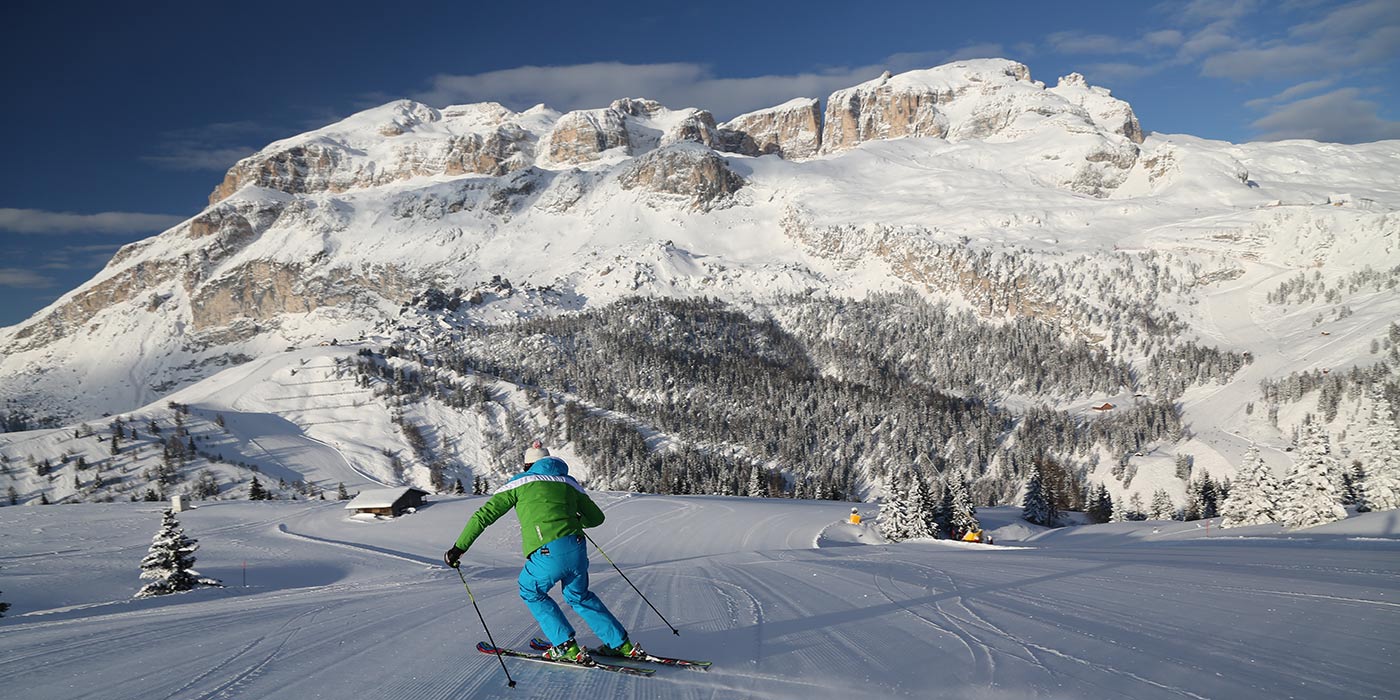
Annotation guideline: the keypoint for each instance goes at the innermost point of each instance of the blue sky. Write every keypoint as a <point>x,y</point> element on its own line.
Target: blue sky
<point>121,120</point>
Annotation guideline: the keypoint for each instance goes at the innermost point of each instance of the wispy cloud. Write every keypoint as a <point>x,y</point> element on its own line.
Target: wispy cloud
<point>209,147</point>
<point>1342,116</point>
<point>36,221</point>
<point>677,85</point>
<point>1291,93</point>
<point>23,279</point>
<point>1355,36</point>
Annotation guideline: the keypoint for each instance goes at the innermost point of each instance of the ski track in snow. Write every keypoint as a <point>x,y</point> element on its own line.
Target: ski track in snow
<point>343,608</point>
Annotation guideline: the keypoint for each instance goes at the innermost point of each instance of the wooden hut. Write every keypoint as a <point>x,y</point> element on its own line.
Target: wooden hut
<point>391,502</point>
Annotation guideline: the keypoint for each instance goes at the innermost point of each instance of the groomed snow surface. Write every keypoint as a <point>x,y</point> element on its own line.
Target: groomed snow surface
<point>785,599</point>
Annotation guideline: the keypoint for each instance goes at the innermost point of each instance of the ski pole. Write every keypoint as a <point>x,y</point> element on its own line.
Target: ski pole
<point>634,587</point>
<point>463,576</point>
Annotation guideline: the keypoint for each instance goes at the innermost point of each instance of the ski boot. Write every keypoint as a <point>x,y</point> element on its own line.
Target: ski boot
<point>568,651</point>
<point>628,650</point>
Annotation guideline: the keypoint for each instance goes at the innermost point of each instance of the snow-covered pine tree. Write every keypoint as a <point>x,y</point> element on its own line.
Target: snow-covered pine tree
<point>1135,510</point>
<point>3,608</point>
<point>1120,511</point>
<point>893,514</point>
<point>168,563</point>
<point>256,492</point>
<point>1162,506</point>
<point>1380,456</point>
<point>1100,505</point>
<point>1309,494</point>
<point>962,517</point>
<point>919,508</point>
<point>1254,495</point>
<point>758,483</point>
<point>340,493</point>
<point>1037,506</point>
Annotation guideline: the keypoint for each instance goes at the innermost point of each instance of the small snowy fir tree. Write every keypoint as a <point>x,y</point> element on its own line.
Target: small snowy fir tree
<point>1380,456</point>
<point>4,607</point>
<point>168,563</point>
<point>1037,507</point>
<point>1162,506</point>
<point>1310,492</point>
<point>1120,511</point>
<point>962,516</point>
<point>1254,495</point>
<point>919,508</point>
<point>893,510</point>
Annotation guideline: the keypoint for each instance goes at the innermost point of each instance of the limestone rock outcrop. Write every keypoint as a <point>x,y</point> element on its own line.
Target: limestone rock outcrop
<point>792,130</point>
<point>686,169</point>
<point>1107,111</point>
<point>582,136</point>
<point>387,144</point>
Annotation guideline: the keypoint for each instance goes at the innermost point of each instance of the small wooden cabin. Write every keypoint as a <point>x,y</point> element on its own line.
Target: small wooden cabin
<point>1105,406</point>
<point>391,502</point>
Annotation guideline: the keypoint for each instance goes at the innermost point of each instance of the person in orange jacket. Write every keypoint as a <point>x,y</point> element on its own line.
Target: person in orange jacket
<point>855,516</point>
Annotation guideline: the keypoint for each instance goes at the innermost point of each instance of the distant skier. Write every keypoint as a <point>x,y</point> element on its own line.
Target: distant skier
<point>855,516</point>
<point>553,510</point>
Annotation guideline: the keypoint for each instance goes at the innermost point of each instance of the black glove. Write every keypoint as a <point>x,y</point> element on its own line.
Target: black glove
<point>453,557</point>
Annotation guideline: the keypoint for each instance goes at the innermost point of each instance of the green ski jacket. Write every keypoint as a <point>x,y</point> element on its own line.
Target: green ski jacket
<point>549,503</point>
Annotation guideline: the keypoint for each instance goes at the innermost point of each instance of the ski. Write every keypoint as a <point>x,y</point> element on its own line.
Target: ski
<point>540,645</point>
<point>486,648</point>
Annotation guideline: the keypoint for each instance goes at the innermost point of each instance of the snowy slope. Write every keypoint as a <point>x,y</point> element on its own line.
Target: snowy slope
<point>335,607</point>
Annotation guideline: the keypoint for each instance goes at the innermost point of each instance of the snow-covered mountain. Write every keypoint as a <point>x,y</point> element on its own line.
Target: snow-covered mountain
<point>972,183</point>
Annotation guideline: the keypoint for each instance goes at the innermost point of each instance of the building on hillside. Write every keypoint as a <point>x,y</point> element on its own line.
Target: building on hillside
<point>1104,407</point>
<point>391,502</point>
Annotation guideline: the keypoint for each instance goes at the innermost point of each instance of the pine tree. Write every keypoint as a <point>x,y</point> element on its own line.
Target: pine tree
<point>1037,506</point>
<point>168,563</point>
<point>1100,509</point>
<point>340,493</point>
<point>1310,493</point>
<point>1120,511</point>
<point>962,516</point>
<point>1254,496</point>
<point>919,508</point>
<point>1380,456</point>
<point>256,492</point>
<point>457,489</point>
<point>893,510</point>
<point>1162,506</point>
<point>3,607</point>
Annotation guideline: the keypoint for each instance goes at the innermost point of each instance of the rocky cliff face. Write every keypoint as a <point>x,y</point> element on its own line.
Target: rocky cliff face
<point>324,233</point>
<point>688,170</point>
<point>388,144</point>
<point>992,99</point>
<point>792,130</point>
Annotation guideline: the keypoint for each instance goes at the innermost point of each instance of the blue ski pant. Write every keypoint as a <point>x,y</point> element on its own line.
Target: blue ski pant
<point>565,561</point>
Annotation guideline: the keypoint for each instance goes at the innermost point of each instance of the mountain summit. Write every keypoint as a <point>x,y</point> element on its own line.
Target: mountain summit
<point>928,179</point>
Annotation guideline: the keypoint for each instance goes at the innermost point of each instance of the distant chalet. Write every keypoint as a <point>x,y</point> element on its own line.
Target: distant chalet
<point>390,502</point>
<point>1105,407</point>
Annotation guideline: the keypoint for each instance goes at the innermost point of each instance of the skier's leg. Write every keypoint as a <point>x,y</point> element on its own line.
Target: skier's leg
<point>574,562</point>
<point>539,575</point>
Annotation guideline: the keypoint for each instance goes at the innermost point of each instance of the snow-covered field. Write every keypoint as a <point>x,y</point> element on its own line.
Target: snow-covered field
<point>785,599</point>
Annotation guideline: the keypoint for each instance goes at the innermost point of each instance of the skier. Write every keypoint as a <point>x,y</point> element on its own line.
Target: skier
<point>553,510</point>
<point>855,516</point>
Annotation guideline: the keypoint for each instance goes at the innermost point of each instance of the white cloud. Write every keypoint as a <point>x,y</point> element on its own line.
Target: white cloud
<point>1352,37</point>
<point>676,85</point>
<point>35,221</point>
<point>1343,116</point>
<point>1291,93</point>
<point>23,279</point>
<point>195,158</point>
<point>209,147</point>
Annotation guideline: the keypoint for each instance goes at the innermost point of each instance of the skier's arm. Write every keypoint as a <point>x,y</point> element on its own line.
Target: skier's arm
<point>589,514</point>
<point>488,513</point>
